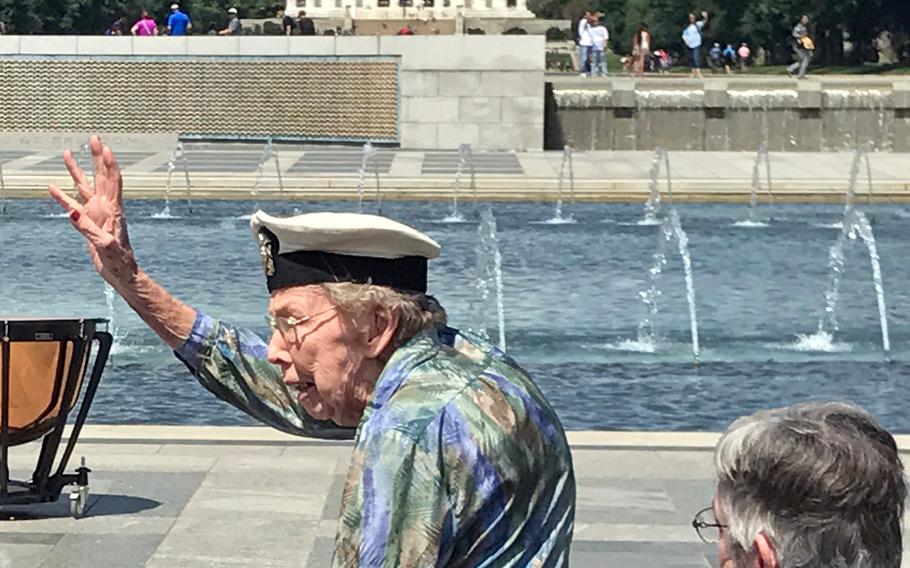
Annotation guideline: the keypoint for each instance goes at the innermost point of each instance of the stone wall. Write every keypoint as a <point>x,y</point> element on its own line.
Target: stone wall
<point>486,91</point>
<point>318,99</point>
<point>717,114</point>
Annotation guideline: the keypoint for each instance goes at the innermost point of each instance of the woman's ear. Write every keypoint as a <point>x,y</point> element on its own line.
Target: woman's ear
<point>382,331</point>
<point>765,557</point>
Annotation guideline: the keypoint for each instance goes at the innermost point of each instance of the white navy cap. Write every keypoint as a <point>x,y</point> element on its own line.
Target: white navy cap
<point>232,10</point>
<point>342,247</point>
<point>175,6</point>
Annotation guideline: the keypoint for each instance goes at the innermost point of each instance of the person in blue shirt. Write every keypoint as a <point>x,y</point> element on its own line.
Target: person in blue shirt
<point>178,23</point>
<point>729,58</point>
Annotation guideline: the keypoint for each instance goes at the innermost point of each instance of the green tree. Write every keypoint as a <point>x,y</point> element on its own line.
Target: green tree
<point>95,16</point>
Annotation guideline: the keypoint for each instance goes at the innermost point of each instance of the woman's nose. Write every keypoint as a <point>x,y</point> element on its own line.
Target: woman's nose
<point>278,351</point>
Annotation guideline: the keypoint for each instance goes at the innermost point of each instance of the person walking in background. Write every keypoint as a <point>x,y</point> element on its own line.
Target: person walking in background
<point>691,36</point>
<point>145,26</point>
<point>178,22</point>
<point>729,59</point>
<point>233,26</point>
<point>305,25</point>
<point>599,38</point>
<point>641,49</point>
<point>804,47</point>
<point>744,54</point>
<point>116,29</point>
<point>715,58</point>
<point>287,22</point>
<point>585,43</point>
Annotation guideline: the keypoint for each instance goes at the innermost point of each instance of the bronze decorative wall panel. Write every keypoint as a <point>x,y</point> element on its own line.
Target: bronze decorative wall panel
<point>220,97</point>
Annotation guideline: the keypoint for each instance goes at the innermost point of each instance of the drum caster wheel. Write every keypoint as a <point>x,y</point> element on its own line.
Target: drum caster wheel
<point>79,497</point>
<point>78,501</point>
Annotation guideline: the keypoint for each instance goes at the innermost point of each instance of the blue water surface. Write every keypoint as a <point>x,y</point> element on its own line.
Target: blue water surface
<point>572,305</point>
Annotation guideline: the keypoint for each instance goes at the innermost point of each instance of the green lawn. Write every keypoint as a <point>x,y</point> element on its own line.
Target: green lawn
<point>835,70</point>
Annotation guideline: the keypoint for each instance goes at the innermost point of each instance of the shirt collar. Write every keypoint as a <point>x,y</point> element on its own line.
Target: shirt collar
<point>415,351</point>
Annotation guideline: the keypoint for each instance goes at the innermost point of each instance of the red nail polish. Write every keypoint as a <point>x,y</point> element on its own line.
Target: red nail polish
<point>75,216</point>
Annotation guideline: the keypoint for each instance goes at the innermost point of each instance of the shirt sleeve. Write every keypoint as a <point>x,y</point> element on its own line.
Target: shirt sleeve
<point>231,364</point>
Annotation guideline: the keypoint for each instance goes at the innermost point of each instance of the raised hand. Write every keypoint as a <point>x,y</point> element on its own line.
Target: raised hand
<point>99,216</point>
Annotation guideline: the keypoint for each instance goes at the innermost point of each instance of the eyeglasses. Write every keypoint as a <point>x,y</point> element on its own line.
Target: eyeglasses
<point>706,526</point>
<point>287,326</point>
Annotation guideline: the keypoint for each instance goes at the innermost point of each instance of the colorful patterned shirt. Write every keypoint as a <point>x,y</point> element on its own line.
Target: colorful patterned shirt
<point>458,461</point>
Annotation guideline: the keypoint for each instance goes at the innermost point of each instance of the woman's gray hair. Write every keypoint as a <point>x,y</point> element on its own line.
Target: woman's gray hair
<point>416,312</point>
<point>823,481</point>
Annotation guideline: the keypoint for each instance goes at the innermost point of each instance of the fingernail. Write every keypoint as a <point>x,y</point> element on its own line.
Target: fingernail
<point>74,216</point>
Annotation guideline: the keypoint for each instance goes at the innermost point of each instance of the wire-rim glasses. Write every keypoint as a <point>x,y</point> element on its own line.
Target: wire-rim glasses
<point>287,325</point>
<point>706,526</point>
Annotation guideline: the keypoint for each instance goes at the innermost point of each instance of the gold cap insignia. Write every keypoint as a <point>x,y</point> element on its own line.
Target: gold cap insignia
<point>265,254</point>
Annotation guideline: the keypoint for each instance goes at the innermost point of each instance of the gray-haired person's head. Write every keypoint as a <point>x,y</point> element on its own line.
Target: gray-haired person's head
<point>823,482</point>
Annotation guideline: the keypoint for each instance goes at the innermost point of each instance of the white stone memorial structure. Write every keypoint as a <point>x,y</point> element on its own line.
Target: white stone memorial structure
<point>411,9</point>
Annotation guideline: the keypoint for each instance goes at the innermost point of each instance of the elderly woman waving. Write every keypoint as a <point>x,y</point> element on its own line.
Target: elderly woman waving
<point>458,458</point>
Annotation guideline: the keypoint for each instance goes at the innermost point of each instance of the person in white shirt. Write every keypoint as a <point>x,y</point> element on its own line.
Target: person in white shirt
<point>584,43</point>
<point>599,38</point>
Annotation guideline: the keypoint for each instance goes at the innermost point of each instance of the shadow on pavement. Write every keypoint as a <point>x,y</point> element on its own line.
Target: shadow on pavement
<point>98,506</point>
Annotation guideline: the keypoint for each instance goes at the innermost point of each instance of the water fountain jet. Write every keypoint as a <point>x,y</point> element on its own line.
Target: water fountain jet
<point>653,204</point>
<point>761,156</point>
<point>854,226</point>
<point>465,159</point>
<point>489,279</point>
<point>558,218</point>
<point>269,152</point>
<point>177,156</point>
<point>369,157</point>
<point>670,229</point>
<point>2,191</point>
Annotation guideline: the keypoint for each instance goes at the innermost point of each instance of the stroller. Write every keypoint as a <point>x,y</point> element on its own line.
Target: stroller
<point>42,366</point>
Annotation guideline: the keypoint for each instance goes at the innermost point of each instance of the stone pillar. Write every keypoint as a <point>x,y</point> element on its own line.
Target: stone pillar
<point>624,103</point>
<point>809,101</point>
<point>901,131</point>
<point>716,103</point>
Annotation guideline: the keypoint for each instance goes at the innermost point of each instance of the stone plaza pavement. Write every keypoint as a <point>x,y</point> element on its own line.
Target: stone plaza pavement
<point>180,496</point>
<point>229,170</point>
<point>234,496</point>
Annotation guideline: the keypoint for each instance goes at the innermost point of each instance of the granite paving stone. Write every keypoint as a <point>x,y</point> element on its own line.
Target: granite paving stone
<point>275,504</point>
